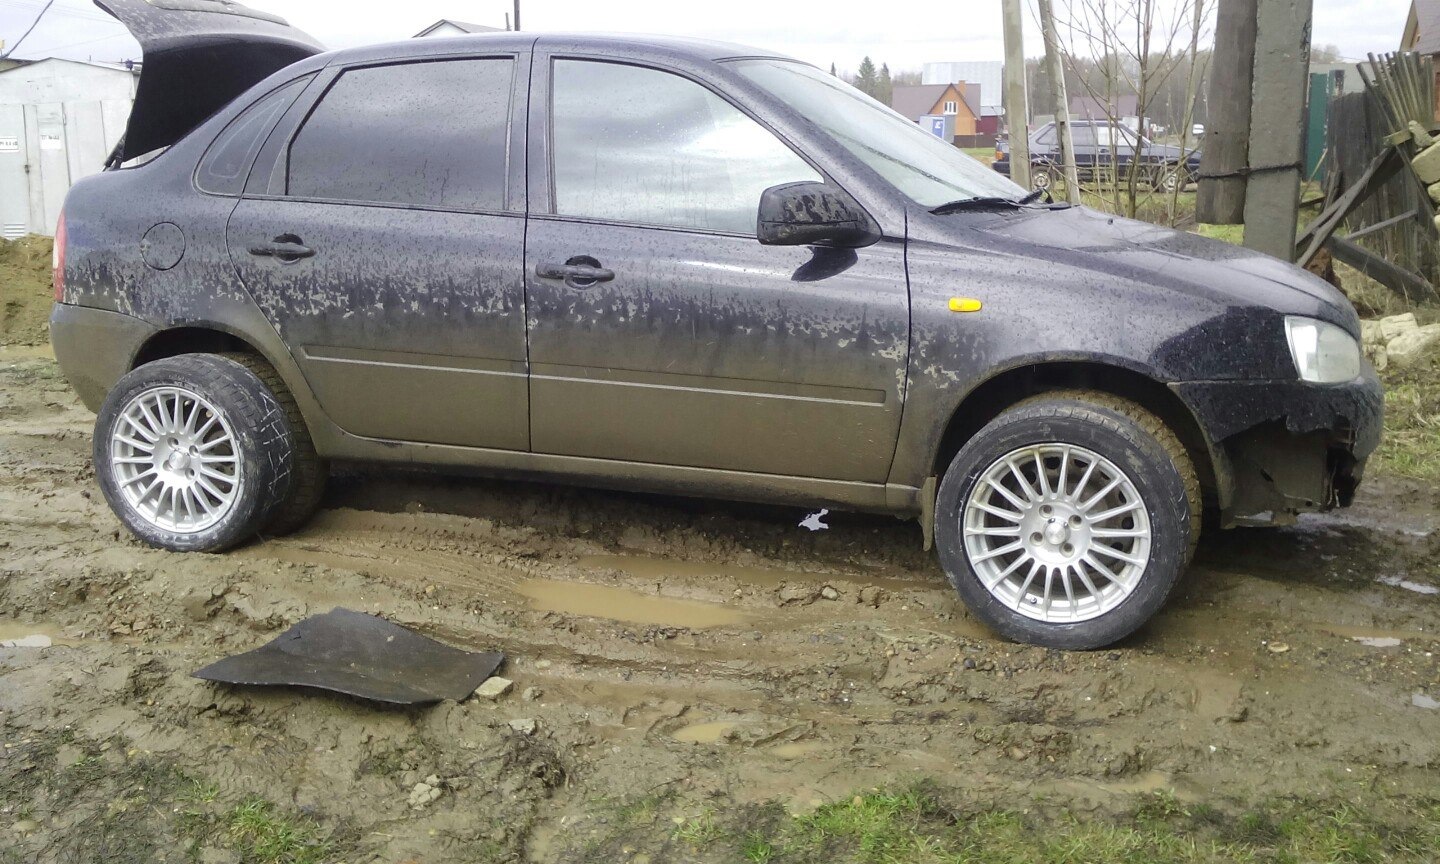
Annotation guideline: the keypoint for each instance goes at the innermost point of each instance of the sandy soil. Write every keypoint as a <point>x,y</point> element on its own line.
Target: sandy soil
<point>688,654</point>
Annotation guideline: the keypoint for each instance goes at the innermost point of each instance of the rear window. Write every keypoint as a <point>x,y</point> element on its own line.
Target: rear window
<point>429,134</point>
<point>228,160</point>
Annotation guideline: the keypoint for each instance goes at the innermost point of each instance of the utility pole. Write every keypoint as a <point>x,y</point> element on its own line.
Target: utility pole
<point>1220,199</point>
<point>1277,126</point>
<point>1056,70</point>
<point>517,14</point>
<point>1017,108</point>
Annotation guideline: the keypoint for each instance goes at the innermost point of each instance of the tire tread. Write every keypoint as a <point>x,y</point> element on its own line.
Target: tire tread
<point>308,472</point>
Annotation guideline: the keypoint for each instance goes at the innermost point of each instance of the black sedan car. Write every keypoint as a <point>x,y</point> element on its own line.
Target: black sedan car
<point>674,265</point>
<point>1105,150</point>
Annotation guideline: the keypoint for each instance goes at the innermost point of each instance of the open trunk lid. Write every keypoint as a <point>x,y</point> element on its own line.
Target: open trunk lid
<point>198,55</point>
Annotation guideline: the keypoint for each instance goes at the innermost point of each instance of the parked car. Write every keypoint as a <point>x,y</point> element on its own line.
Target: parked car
<point>1104,150</point>
<point>678,266</point>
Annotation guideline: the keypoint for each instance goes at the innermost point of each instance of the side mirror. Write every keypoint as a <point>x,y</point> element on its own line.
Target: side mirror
<point>813,214</point>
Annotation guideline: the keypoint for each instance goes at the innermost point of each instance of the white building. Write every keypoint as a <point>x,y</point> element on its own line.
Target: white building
<point>447,27</point>
<point>59,120</point>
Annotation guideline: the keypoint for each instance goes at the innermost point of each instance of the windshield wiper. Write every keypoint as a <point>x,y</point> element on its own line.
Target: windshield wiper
<point>981,201</point>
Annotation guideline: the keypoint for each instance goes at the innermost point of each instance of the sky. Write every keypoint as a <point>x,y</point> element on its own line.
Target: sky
<point>905,33</point>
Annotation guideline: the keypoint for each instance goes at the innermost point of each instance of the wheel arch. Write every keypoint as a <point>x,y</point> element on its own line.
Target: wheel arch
<point>1009,387</point>
<point>193,338</point>
<point>214,337</point>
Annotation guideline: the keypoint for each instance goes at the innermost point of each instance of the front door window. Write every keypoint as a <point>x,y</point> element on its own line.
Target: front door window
<point>647,147</point>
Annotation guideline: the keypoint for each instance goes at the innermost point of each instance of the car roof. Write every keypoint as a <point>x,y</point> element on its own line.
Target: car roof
<point>652,46</point>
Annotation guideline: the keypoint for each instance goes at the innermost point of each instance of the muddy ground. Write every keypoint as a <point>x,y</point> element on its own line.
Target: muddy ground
<point>678,659</point>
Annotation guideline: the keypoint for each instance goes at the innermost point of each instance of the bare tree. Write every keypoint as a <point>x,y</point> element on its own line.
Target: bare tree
<point>1116,50</point>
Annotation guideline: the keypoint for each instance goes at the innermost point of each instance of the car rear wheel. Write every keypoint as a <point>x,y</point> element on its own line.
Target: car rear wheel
<point>1166,178</point>
<point>194,453</point>
<point>1066,521</point>
<point>1041,178</point>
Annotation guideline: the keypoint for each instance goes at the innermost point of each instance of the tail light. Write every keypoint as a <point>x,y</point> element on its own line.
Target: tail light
<point>57,260</point>
<point>999,155</point>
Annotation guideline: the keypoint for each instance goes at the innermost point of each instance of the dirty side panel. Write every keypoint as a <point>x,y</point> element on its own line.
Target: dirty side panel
<point>407,325</point>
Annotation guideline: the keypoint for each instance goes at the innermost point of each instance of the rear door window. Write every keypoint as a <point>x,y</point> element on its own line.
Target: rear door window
<point>429,134</point>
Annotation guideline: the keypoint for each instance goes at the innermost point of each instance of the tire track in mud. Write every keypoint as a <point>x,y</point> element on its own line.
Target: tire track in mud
<point>803,697</point>
<point>638,626</point>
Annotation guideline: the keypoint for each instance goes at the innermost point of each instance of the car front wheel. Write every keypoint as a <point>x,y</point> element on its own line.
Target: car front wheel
<point>1067,520</point>
<point>194,453</point>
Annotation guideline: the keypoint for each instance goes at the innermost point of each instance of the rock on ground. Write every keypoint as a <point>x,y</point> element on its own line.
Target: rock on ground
<point>1413,346</point>
<point>494,687</point>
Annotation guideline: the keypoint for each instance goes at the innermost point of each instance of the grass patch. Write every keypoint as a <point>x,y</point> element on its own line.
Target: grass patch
<point>1411,446</point>
<point>916,827</point>
<point>700,830</point>
<point>1228,233</point>
<point>263,835</point>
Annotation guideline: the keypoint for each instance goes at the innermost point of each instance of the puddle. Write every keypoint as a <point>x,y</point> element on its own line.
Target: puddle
<point>622,604</point>
<point>704,733</point>
<point>16,635</point>
<point>646,567</point>
<point>1420,700</point>
<point>1375,637</point>
<point>1145,783</point>
<point>1378,641</point>
<point>1216,696</point>
<point>1150,781</point>
<point>1417,587</point>
<point>796,749</point>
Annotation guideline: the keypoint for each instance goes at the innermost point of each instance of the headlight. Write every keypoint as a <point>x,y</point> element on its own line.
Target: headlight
<point>1324,353</point>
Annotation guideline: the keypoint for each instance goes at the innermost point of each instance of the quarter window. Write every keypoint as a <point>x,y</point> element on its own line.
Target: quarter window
<point>226,163</point>
<point>430,134</point>
<point>639,145</point>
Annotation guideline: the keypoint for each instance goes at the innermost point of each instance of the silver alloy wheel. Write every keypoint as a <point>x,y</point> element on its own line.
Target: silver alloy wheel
<point>174,459</point>
<point>1041,178</point>
<point>1057,532</point>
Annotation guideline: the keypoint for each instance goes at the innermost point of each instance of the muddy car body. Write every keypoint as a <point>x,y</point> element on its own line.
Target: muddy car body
<point>830,322</point>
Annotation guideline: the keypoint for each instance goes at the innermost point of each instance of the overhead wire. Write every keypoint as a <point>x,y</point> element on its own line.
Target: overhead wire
<point>30,30</point>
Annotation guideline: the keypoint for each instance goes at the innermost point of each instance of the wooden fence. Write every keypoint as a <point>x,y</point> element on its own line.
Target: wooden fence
<point>1356,133</point>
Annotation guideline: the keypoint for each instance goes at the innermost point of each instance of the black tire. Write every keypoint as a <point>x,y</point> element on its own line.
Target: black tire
<point>1126,434</point>
<point>264,443</point>
<point>1165,177</point>
<point>309,472</point>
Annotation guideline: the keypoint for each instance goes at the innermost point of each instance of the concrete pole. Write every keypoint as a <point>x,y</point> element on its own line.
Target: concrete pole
<point>1055,67</point>
<point>1017,107</point>
<point>1277,126</point>
<point>1226,147</point>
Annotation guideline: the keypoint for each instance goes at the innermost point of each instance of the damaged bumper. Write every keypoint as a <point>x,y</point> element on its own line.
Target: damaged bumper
<point>1286,447</point>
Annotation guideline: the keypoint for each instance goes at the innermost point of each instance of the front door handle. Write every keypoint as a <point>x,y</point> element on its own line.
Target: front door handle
<point>287,248</point>
<point>578,272</point>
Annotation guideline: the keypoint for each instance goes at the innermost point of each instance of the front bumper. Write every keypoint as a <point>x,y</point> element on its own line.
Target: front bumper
<point>95,348</point>
<point>1286,447</point>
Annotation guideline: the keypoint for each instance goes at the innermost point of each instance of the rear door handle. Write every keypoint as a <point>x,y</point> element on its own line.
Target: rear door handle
<point>287,248</point>
<point>583,272</point>
<point>575,275</point>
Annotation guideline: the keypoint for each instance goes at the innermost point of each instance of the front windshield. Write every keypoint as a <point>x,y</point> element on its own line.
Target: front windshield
<point>928,170</point>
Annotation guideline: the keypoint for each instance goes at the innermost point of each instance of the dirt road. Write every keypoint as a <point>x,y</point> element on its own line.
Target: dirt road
<point>678,658</point>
